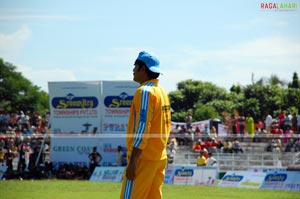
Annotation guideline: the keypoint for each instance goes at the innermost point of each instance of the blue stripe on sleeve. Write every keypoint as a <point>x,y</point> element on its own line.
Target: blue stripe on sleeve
<point>143,115</point>
<point>128,189</point>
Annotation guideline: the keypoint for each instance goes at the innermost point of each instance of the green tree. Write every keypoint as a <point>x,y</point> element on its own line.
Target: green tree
<point>18,93</point>
<point>204,112</point>
<point>295,82</point>
<point>269,99</point>
<point>292,98</point>
<point>274,80</point>
<point>190,93</point>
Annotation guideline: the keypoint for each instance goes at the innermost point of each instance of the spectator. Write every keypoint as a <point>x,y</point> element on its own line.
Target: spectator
<point>189,120</point>
<point>9,157</point>
<point>95,159</point>
<point>227,148</point>
<point>275,130</point>
<point>257,135</point>
<point>2,143</point>
<point>281,117</point>
<point>211,161</point>
<point>250,125</point>
<point>206,132</point>
<point>172,141</point>
<point>232,125</point>
<point>297,145</point>
<point>287,122</point>
<point>220,145</point>
<point>214,146</point>
<point>35,163</point>
<point>120,156</point>
<point>289,146</point>
<point>201,161</point>
<point>268,122</point>
<point>205,152</point>
<point>180,135</point>
<point>22,160</point>
<point>197,147</point>
<point>287,134</point>
<point>213,133</point>
<point>198,133</point>
<point>278,145</point>
<point>171,154</point>
<point>49,170</point>
<point>1,156</point>
<point>241,123</point>
<point>28,151</point>
<point>295,122</point>
<point>272,146</point>
<point>236,146</point>
<point>47,120</point>
<point>23,120</point>
<point>188,137</point>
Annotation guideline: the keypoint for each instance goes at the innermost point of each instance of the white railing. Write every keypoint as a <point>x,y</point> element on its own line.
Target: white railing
<point>242,161</point>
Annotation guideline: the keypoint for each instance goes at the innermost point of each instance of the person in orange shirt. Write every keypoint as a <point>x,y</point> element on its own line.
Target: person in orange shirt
<point>197,147</point>
<point>148,130</point>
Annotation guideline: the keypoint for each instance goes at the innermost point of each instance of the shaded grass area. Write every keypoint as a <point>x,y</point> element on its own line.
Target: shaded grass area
<point>60,189</point>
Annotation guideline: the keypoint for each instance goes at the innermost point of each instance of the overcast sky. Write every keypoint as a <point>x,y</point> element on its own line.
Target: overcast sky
<point>222,42</point>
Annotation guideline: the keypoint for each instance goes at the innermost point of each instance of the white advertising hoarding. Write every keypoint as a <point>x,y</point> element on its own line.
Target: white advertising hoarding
<point>99,109</point>
<point>107,174</point>
<point>190,175</point>
<point>116,100</point>
<point>243,179</point>
<point>73,149</point>
<point>285,180</point>
<point>74,107</point>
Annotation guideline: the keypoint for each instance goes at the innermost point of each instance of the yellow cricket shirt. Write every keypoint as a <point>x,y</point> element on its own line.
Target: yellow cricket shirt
<point>149,123</point>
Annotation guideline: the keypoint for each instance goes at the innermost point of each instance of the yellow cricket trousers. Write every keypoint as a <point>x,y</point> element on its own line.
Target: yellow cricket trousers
<point>148,182</point>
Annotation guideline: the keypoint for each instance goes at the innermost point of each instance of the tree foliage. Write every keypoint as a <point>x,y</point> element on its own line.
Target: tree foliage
<point>18,93</point>
<point>206,101</point>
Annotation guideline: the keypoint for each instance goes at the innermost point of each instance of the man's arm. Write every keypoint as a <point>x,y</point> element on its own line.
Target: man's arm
<point>132,165</point>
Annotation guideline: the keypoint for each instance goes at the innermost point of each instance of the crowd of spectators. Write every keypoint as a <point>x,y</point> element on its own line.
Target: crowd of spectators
<point>280,134</point>
<point>22,136</point>
<point>24,123</point>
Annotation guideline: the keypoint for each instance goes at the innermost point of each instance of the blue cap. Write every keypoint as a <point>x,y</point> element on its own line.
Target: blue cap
<point>151,62</point>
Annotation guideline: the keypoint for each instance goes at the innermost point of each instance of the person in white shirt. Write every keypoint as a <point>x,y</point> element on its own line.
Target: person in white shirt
<point>120,156</point>
<point>211,161</point>
<point>268,122</point>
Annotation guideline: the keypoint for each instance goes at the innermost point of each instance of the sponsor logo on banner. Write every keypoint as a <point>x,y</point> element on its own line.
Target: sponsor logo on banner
<point>72,102</point>
<point>275,180</point>
<point>276,177</point>
<point>77,149</point>
<point>121,101</point>
<point>191,175</point>
<point>183,176</point>
<point>288,180</point>
<point>244,179</point>
<point>233,178</point>
<point>108,174</point>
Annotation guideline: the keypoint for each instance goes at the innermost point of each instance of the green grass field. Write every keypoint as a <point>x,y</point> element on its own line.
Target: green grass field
<point>61,189</point>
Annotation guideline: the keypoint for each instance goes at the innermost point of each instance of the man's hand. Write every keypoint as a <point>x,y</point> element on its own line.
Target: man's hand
<point>130,171</point>
<point>133,163</point>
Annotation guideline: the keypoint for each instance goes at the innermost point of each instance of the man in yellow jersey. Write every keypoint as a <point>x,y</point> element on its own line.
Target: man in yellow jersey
<point>148,131</point>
